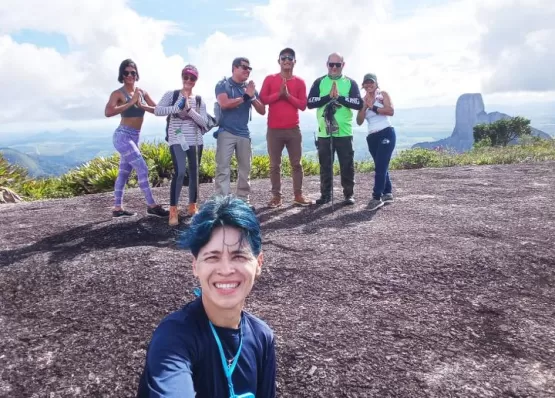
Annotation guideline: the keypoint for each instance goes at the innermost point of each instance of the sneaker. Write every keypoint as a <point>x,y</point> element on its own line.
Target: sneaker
<point>157,211</point>
<point>349,200</point>
<point>122,213</point>
<point>375,204</point>
<point>387,198</point>
<point>192,209</point>
<point>323,200</point>
<point>174,216</point>
<point>302,201</point>
<point>275,202</point>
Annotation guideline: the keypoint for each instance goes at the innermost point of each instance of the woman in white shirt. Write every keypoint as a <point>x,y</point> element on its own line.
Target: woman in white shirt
<point>186,125</point>
<point>381,138</point>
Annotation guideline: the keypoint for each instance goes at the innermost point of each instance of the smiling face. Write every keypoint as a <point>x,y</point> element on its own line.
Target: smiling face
<point>189,80</point>
<point>242,71</point>
<point>226,269</point>
<point>286,61</point>
<point>129,75</point>
<point>335,65</point>
<point>369,85</point>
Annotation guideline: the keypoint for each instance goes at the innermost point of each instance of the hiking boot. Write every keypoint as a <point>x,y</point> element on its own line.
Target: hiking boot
<point>122,213</point>
<point>157,211</point>
<point>174,216</point>
<point>323,200</point>
<point>375,204</point>
<point>302,201</point>
<point>275,202</point>
<point>349,200</point>
<point>387,198</point>
<point>192,209</point>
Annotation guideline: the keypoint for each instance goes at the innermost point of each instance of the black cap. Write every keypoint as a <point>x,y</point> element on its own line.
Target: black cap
<point>287,51</point>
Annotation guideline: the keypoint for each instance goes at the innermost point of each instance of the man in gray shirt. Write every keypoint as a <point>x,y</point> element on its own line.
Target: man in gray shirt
<point>235,97</point>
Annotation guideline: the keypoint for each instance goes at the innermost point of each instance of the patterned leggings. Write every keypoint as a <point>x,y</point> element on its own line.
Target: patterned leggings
<point>126,140</point>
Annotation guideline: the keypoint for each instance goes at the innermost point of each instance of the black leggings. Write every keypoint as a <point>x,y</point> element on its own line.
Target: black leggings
<point>178,159</point>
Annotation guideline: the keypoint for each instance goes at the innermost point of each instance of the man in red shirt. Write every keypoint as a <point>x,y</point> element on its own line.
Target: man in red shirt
<point>285,95</point>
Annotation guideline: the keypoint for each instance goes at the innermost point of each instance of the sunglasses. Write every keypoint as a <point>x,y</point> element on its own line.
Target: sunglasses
<point>287,58</point>
<point>335,64</point>
<point>129,72</point>
<point>189,77</point>
<point>244,67</point>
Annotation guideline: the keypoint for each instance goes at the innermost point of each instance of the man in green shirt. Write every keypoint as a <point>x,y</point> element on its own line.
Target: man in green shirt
<point>335,96</point>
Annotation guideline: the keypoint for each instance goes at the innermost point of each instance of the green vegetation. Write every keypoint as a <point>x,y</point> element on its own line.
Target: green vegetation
<point>99,174</point>
<point>501,132</point>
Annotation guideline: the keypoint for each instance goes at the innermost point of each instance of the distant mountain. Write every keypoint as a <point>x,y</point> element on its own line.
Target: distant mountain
<point>469,112</point>
<point>37,165</point>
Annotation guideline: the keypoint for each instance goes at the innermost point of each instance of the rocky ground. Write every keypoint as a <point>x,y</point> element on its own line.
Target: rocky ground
<point>448,292</point>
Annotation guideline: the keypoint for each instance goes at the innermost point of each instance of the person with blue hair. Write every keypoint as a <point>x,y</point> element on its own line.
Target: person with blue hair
<point>212,347</point>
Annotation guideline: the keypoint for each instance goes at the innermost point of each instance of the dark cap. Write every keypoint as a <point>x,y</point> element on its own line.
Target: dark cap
<point>287,51</point>
<point>370,76</point>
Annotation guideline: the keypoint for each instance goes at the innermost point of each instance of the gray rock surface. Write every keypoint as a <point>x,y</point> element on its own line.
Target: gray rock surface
<point>470,111</point>
<point>448,292</point>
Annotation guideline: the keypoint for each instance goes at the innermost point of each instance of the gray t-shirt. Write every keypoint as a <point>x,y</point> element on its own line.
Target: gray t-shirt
<point>234,121</point>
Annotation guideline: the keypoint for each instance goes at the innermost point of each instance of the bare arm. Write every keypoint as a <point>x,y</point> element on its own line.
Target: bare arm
<point>226,103</point>
<point>150,104</point>
<point>361,114</point>
<point>387,106</point>
<point>113,108</point>
<point>259,106</point>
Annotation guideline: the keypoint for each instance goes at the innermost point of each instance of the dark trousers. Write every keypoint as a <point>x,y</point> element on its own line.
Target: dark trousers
<point>381,146</point>
<point>345,153</point>
<point>178,158</point>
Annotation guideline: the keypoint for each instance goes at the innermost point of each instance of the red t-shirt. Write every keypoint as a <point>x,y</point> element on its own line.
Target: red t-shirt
<point>283,113</point>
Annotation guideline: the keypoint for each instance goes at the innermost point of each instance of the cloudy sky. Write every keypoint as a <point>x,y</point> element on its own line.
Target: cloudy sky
<point>59,58</point>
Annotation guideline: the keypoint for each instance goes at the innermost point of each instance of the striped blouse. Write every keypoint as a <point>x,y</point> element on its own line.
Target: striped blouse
<point>187,122</point>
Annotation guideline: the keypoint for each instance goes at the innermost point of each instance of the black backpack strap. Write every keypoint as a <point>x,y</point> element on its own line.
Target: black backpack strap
<point>174,100</point>
<point>198,100</point>
<point>174,97</point>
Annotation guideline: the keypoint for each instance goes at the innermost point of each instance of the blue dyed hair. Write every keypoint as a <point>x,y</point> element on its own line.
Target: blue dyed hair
<point>218,212</point>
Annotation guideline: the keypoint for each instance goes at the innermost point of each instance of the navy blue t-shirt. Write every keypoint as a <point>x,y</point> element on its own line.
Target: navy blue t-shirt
<point>183,357</point>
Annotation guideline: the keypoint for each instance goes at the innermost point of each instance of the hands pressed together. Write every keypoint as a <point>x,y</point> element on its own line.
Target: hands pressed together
<point>334,94</point>
<point>283,90</point>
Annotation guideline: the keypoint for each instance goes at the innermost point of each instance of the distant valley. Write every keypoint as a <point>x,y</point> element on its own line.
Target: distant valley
<point>54,153</point>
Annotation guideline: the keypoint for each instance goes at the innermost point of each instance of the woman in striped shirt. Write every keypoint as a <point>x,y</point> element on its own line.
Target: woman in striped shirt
<point>185,138</point>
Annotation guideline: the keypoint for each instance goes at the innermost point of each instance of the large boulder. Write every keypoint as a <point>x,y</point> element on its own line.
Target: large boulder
<point>470,111</point>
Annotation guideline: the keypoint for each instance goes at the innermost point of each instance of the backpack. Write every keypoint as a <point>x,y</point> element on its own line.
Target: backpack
<point>212,122</point>
<point>218,109</point>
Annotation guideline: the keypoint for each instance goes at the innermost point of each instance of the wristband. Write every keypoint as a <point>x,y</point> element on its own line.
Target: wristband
<point>375,109</point>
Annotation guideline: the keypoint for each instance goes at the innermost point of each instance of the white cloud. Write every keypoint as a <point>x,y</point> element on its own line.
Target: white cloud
<point>423,58</point>
<point>43,84</point>
<point>518,45</point>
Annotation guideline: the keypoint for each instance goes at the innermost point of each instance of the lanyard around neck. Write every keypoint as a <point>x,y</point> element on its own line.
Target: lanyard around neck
<point>228,370</point>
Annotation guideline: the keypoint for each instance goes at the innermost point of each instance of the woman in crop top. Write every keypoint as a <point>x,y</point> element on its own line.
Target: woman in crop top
<point>125,101</point>
<point>381,138</point>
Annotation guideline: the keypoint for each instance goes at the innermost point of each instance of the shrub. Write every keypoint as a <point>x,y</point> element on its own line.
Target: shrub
<point>416,158</point>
